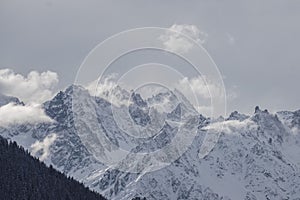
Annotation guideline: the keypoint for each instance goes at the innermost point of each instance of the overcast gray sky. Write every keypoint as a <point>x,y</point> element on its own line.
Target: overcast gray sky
<point>255,44</point>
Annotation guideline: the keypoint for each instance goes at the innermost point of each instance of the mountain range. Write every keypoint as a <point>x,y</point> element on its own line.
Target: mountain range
<point>256,156</point>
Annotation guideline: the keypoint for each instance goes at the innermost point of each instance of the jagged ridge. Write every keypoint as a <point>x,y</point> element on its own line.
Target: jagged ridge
<point>255,157</point>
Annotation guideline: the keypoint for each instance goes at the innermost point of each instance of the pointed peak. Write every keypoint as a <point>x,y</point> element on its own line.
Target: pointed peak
<point>202,118</point>
<point>235,115</point>
<point>181,97</point>
<point>69,92</point>
<point>176,113</point>
<point>138,100</point>
<point>266,111</point>
<point>72,88</point>
<point>257,109</point>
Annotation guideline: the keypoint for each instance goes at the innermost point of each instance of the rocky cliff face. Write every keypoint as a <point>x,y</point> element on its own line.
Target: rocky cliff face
<point>256,157</point>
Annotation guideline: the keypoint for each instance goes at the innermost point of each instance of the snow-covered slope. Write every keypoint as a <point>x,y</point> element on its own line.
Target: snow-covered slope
<point>256,157</point>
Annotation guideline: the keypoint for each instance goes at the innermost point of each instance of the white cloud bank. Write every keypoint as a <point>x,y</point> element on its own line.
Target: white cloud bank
<point>12,114</point>
<point>199,91</point>
<point>43,146</point>
<point>35,87</point>
<point>176,42</point>
<point>201,86</point>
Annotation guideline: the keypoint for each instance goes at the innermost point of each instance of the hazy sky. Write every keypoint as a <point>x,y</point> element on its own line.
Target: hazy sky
<point>255,44</point>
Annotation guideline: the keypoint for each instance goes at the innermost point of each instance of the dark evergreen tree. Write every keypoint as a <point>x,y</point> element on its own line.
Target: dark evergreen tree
<point>26,178</point>
<point>139,198</point>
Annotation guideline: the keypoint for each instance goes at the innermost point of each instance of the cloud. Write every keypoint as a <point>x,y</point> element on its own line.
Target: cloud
<point>232,126</point>
<point>43,146</point>
<point>109,90</point>
<point>204,110</point>
<point>176,42</point>
<point>201,90</point>
<point>202,87</point>
<point>11,114</point>
<point>36,87</point>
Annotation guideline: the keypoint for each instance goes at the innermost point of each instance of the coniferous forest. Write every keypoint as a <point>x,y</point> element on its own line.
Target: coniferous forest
<point>26,178</point>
